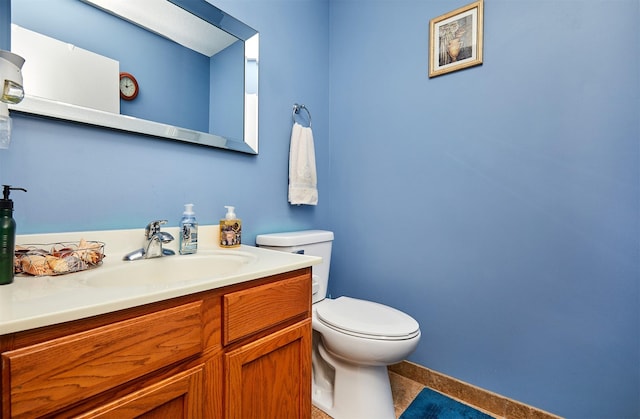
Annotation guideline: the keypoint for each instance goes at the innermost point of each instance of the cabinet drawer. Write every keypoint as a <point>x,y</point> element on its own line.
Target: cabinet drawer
<point>175,397</point>
<point>51,375</point>
<point>258,308</point>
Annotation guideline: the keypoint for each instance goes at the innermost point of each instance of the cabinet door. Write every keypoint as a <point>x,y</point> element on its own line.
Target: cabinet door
<point>271,377</point>
<point>176,397</point>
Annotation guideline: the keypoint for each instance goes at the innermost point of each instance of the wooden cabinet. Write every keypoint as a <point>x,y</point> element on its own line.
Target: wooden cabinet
<point>251,390</point>
<point>254,392</point>
<point>242,351</point>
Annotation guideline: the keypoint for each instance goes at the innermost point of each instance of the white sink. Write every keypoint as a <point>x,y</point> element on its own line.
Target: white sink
<point>169,269</point>
<point>33,302</point>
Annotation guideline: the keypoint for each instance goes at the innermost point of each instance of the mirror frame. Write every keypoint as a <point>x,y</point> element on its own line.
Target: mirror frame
<point>208,12</point>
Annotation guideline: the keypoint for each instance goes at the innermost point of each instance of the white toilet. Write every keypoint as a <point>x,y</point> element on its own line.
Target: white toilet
<point>353,340</point>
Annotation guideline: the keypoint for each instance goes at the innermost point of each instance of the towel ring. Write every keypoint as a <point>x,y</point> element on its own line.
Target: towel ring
<point>296,110</point>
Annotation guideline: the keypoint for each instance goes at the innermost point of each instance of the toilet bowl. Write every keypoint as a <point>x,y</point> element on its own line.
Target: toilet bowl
<point>353,340</point>
<point>365,332</point>
<point>359,339</point>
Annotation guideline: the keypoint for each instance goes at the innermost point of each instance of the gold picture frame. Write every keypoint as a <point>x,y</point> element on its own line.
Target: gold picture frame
<point>455,39</point>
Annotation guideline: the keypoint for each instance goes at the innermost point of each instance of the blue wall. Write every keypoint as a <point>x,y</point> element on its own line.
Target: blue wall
<point>498,205</point>
<point>226,117</point>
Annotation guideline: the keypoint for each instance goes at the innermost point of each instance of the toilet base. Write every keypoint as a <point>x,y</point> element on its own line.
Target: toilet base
<point>357,391</point>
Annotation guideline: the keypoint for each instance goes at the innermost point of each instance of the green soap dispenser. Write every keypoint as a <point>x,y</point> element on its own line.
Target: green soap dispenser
<point>7,235</point>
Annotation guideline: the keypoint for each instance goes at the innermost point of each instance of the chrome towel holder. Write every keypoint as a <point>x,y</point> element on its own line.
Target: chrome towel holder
<point>296,110</point>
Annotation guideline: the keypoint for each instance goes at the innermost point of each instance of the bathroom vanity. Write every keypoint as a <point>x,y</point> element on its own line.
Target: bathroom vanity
<point>235,346</point>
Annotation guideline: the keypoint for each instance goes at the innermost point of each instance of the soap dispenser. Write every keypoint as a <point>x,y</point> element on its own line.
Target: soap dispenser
<point>7,235</point>
<point>188,231</point>
<point>230,229</point>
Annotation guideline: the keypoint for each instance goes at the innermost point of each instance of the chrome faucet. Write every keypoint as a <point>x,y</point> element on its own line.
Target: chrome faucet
<point>155,238</point>
<point>153,244</point>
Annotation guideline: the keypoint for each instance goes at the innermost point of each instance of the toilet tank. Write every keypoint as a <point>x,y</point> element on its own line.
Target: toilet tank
<point>306,242</point>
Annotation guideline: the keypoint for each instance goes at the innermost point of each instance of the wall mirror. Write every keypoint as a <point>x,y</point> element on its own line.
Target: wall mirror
<point>196,67</point>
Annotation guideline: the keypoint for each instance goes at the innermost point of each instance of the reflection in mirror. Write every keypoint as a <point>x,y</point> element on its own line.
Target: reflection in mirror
<point>189,90</point>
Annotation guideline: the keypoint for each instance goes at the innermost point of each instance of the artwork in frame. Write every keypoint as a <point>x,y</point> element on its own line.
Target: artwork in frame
<point>455,39</point>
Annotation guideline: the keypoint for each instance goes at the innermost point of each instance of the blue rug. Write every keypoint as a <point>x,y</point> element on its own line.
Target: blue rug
<point>430,404</point>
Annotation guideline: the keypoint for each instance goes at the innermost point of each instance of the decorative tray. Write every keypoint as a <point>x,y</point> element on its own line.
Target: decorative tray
<point>58,258</point>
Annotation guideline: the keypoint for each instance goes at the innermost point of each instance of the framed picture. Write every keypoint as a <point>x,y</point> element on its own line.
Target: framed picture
<point>455,40</point>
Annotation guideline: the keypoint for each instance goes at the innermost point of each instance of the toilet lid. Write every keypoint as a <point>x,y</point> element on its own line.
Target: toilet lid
<point>367,318</point>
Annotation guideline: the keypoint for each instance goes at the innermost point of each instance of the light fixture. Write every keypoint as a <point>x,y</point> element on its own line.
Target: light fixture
<point>12,91</point>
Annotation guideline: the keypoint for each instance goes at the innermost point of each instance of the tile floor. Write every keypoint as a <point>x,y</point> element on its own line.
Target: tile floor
<point>404,390</point>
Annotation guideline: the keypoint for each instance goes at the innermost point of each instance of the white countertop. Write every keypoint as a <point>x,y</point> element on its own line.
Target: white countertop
<point>31,302</point>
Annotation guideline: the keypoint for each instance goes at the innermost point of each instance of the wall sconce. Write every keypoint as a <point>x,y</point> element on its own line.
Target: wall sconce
<point>12,91</point>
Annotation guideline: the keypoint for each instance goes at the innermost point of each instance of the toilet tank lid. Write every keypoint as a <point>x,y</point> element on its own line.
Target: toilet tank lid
<point>294,238</point>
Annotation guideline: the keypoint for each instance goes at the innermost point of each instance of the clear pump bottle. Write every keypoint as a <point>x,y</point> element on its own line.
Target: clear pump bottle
<point>188,231</point>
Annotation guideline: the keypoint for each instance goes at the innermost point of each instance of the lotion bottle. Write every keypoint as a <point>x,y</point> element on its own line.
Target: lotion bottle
<point>188,231</point>
<point>230,229</point>
<point>7,236</point>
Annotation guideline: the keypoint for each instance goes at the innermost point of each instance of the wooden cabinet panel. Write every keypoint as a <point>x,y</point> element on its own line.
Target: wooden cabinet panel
<point>176,397</point>
<point>48,376</point>
<point>271,377</point>
<point>258,308</point>
<point>168,359</point>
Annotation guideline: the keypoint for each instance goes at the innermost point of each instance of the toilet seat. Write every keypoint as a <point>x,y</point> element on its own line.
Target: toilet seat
<point>366,319</point>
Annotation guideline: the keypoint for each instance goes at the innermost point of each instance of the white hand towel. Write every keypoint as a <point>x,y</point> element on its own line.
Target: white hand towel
<point>302,167</point>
